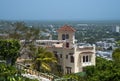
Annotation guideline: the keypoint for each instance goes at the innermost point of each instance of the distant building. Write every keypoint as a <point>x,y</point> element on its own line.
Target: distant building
<point>109,39</point>
<point>105,45</point>
<point>116,29</point>
<point>71,56</point>
<point>4,35</point>
<point>104,54</point>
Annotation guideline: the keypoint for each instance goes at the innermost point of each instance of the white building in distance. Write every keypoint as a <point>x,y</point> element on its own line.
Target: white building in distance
<point>117,29</point>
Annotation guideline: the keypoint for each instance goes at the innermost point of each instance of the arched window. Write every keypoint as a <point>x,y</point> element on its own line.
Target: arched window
<point>71,59</point>
<point>67,36</point>
<point>83,58</point>
<point>63,36</point>
<point>87,58</point>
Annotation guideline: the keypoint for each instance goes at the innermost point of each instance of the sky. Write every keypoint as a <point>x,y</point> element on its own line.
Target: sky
<point>60,9</point>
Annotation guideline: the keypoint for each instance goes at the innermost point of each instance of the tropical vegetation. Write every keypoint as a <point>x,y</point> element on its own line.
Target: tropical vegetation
<point>104,70</point>
<point>9,50</point>
<point>10,73</point>
<point>43,60</point>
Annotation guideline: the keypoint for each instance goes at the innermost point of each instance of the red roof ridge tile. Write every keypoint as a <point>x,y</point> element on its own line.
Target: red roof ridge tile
<point>66,28</point>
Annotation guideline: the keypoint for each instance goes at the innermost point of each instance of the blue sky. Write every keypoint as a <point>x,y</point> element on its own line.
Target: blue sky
<point>60,9</point>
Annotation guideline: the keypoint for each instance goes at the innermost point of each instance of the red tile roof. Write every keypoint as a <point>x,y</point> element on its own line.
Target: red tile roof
<point>66,28</point>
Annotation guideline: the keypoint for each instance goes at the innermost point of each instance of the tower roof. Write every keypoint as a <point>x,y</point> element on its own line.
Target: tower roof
<point>66,28</point>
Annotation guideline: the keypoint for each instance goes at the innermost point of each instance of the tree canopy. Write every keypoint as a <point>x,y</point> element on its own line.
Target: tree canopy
<point>9,50</point>
<point>116,55</point>
<point>104,70</point>
<point>19,30</point>
<point>10,73</point>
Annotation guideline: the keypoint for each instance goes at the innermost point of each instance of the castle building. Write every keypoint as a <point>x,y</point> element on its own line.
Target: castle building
<point>71,56</point>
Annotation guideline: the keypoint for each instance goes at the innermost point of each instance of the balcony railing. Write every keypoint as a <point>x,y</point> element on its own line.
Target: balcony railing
<point>86,64</point>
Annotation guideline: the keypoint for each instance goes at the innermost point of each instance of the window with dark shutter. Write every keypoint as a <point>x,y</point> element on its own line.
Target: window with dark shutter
<point>68,70</point>
<point>86,58</point>
<point>63,36</point>
<point>60,55</point>
<point>66,56</point>
<point>67,36</point>
<point>72,59</point>
<point>67,45</point>
<point>83,58</point>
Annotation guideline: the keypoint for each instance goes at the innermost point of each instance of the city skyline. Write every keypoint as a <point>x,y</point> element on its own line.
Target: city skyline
<point>59,10</point>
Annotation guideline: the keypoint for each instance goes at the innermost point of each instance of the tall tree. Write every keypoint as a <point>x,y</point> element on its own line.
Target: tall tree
<point>9,50</point>
<point>20,31</point>
<point>43,59</point>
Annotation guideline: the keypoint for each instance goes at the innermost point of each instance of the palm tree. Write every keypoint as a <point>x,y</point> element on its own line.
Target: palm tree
<point>43,59</point>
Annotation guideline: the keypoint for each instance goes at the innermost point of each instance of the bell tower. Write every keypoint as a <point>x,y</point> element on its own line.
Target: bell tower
<point>67,33</point>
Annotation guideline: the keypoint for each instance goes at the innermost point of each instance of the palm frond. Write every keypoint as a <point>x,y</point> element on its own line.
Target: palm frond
<point>43,59</point>
<point>46,66</point>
